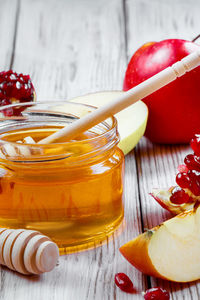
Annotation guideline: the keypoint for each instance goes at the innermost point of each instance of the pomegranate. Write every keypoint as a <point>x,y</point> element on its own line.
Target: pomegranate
<point>15,88</point>
<point>187,192</point>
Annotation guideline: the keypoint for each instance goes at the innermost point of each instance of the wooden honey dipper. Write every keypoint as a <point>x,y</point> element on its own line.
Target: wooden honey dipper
<point>27,251</point>
<point>21,150</point>
<point>128,98</point>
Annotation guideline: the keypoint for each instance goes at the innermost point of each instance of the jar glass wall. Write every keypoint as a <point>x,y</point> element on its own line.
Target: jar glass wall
<point>68,190</point>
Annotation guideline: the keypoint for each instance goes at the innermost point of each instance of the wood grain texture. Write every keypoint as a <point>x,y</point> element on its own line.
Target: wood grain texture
<point>157,165</point>
<point>71,47</point>
<point>8,15</point>
<point>157,20</point>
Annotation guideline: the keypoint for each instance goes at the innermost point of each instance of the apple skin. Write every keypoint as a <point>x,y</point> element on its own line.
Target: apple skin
<point>174,110</point>
<point>170,250</point>
<point>136,250</point>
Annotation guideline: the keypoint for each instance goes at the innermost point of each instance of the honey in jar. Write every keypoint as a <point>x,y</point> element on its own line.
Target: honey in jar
<point>71,191</point>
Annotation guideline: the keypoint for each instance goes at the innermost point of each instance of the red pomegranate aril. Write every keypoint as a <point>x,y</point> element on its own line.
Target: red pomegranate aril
<point>124,282</point>
<point>5,102</point>
<point>183,180</point>
<point>179,196</point>
<point>195,144</point>
<point>8,112</point>
<point>156,294</point>
<point>194,181</point>
<point>193,174</point>
<point>192,162</point>
<point>182,169</point>
<point>195,188</point>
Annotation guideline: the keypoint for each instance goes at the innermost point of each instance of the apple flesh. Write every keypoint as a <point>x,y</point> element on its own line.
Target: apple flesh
<point>174,109</point>
<point>170,250</point>
<point>131,121</point>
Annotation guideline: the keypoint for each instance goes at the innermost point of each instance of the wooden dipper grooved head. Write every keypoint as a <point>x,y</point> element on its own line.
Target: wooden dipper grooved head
<point>17,256</point>
<point>3,236</point>
<point>46,256</point>
<point>8,245</point>
<point>30,253</point>
<point>27,251</point>
<point>2,229</point>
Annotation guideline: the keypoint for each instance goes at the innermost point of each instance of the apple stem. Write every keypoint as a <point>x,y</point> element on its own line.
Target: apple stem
<point>196,38</point>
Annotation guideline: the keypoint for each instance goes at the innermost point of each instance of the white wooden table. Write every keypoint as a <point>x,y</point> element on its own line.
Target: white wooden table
<point>72,47</point>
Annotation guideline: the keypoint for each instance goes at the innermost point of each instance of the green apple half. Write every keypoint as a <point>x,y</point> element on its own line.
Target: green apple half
<point>131,121</point>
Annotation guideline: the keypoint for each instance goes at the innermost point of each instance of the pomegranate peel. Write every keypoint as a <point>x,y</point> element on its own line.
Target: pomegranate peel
<point>162,196</point>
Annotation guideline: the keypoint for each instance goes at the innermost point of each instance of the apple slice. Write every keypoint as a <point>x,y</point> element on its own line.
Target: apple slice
<point>131,121</point>
<point>170,250</point>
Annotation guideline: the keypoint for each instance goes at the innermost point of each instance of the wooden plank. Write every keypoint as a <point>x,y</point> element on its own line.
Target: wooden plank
<point>71,48</point>
<point>157,165</point>
<point>158,20</point>
<point>8,17</point>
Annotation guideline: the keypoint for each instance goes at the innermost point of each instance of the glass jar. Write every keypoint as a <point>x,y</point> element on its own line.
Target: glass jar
<point>70,191</point>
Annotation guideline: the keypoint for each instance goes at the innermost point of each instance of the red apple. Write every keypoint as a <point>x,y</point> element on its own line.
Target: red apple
<point>174,110</point>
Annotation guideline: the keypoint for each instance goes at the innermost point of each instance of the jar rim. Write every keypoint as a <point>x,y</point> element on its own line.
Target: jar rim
<point>110,131</point>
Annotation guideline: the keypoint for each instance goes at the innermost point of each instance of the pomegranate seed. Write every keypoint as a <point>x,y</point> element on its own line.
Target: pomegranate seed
<point>5,102</point>
<point>195,189</point>
<point>124,282</point>
<point>182,168</point>
<point>193,174</point>
<point>179,196</point>
<point>195,144</point>
<point>192,162</point>
<point>156,294</point>
<point>183,180</point>
<point>194,181</point>
<point>8,112</point>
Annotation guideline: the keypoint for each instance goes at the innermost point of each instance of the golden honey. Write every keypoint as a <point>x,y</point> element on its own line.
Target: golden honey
<point>70,191</point>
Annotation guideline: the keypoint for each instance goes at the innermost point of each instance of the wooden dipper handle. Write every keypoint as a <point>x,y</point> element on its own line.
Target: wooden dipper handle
<point>138,92</point>
<point>27,251</point>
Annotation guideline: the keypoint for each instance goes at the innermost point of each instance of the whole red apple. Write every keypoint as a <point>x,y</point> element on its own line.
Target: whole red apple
<point>174,110</point>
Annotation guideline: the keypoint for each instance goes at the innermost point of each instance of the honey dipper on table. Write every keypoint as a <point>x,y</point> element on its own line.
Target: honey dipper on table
<point>27,251</point>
